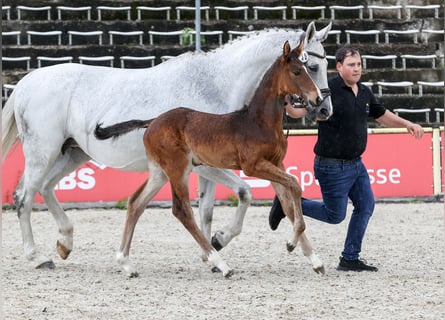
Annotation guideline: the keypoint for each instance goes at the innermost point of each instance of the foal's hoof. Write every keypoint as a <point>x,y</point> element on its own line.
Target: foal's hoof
<point>46,265</point>
<point>63,251</point>
<point>290,247</point>
<point>216,244</point>
<point>320,270</point>
<point>216,270</point>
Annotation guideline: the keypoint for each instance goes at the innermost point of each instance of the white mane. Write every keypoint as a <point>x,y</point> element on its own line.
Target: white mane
<point>260,39</point>
<point>231,63</point>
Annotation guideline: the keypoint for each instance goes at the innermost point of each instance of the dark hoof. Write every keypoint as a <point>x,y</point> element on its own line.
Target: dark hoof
<point>290,247</point>
<point>133,275</point>
<point>46,265</point>
<point>216,270</point>
<point>320,270</point>
<point>216,244</point>
<point>228,274</point>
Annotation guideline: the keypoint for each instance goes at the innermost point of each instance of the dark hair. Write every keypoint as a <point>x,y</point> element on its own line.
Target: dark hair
<point>344,51</point>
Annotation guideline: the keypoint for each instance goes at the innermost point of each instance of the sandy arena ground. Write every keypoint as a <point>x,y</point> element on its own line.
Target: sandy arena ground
<point>406,242</point>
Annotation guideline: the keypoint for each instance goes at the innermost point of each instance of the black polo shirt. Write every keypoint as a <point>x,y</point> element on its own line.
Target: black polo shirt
<point>345,134</point>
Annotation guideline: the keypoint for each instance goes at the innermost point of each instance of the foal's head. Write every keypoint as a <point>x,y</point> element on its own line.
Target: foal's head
<point>293,78</point>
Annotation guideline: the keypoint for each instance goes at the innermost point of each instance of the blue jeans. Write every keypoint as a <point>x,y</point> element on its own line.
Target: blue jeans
<point>338,182</point>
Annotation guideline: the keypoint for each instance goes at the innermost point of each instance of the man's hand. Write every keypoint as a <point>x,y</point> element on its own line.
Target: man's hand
<point>415,130</point>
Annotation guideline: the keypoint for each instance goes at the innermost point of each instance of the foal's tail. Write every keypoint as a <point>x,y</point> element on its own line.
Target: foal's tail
<point>118,129</point>
<point>10,133</point>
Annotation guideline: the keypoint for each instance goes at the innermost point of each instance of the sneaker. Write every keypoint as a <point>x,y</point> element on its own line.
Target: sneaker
<point>276,214</point>
<point>354,265</point>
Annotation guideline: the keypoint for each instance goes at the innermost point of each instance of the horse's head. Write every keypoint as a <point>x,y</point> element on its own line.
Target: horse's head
<point>314,58</point>
<point>295,80</point>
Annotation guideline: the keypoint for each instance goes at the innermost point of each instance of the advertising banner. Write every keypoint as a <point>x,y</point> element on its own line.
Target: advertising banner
<point>398,165</point>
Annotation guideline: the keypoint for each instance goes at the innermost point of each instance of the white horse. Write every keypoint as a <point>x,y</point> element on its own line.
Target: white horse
<point>54,111</point>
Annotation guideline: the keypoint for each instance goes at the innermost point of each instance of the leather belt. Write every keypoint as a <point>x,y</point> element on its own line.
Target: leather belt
<point>337,161</point>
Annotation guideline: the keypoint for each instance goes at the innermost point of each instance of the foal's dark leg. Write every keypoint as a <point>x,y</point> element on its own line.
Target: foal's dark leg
<point>287,188</point>
<point>184,213</point>
<point>288,191</point>
<point>287,203</point>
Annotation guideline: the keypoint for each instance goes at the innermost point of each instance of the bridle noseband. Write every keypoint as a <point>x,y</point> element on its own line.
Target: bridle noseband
<point>304,57</point>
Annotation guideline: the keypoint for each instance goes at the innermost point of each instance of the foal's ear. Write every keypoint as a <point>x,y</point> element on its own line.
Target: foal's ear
<point>286,50</point>
<point>299,49</point>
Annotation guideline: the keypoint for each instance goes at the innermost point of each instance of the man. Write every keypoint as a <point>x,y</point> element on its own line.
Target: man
<point>338,165</point>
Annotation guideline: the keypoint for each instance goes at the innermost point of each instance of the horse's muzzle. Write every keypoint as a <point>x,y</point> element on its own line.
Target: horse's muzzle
<point>323,113</point>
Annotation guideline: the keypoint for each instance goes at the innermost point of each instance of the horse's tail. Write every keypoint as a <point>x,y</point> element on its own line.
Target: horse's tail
<point>10,133</point>
<point>119,129</point>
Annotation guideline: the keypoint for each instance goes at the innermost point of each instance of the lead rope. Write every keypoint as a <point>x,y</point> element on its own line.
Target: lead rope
<point>286,119</point>
<point>294,99</point>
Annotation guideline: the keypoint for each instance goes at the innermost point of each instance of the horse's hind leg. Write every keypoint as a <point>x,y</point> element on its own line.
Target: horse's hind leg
<point>206,203</point>
<point>23,202</point>
<point>136,206</point>
<point>64,164</point>
<point>207,178</point>
<point>184,213</point>
<point>37,164</point>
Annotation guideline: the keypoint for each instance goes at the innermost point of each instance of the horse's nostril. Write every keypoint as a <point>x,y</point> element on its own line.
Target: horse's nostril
<point>324,111</point>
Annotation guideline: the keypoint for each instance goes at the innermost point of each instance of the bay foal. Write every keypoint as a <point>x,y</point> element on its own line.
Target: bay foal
<point>251,140</point>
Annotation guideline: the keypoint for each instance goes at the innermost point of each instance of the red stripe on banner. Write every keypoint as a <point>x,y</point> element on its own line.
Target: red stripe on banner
<point>398,165</point>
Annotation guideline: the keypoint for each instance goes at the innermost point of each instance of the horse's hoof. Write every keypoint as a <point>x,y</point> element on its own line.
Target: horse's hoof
<point>216,270</point>
<point>290,247</point>
<point>216,244</point>
<point>46,265</point>
<point>133,274</point>
<point>63,251</point>
<point>229,274</point>
<point>320,270</point>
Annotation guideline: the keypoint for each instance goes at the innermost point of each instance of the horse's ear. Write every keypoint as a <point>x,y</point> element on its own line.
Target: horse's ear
<point>286,50</point>
<point>323,33</point>
<point>310,32</point>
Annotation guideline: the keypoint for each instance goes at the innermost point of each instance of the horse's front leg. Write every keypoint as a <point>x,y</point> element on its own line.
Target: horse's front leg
<point>291,202</point>
<point>136,206</point>
<point>308,252</point>
<point>208,177</point>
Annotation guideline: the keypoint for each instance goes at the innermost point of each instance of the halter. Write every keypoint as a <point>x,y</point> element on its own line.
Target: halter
<point>304,57</point>
<point>311,53</point>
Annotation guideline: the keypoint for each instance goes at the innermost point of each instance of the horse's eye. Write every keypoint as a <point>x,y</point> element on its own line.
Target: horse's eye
<point>313,67</point>
<point>297,72</point>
